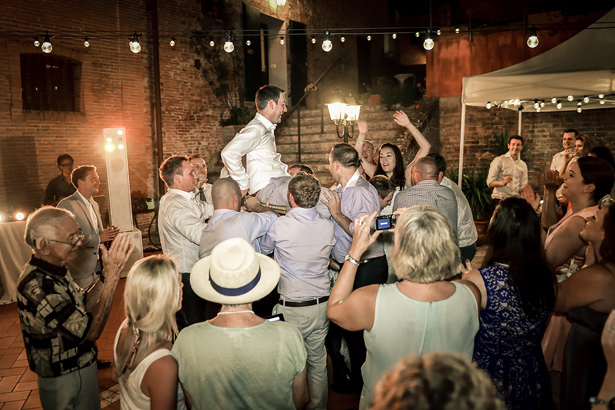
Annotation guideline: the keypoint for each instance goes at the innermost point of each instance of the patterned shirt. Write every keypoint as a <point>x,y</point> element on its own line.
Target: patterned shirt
<point>54,320</point>
<point>429,192</point>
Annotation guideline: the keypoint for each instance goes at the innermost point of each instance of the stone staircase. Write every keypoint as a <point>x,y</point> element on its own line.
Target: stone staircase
<point>317,140</point>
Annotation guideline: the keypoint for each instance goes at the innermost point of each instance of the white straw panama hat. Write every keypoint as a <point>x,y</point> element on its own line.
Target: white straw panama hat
<point>234,274</point>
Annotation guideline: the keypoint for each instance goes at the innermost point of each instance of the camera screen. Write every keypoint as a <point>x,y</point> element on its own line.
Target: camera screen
<point>384,223</point>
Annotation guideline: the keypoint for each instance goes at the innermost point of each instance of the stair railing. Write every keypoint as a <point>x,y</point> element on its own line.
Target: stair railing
<point>297,107</point>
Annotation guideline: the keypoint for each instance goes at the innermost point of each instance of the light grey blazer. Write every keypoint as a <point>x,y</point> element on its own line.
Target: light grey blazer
<point>85,262</point>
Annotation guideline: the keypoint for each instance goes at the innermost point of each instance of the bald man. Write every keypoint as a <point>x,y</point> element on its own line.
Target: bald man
<point>426,190</point>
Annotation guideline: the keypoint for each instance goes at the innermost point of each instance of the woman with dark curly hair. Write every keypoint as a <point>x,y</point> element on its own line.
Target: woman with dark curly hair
<point>517,295</point>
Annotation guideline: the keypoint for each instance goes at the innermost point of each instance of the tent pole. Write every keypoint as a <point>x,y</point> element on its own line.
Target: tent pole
<point>519,124</point>
<point>461,143</point>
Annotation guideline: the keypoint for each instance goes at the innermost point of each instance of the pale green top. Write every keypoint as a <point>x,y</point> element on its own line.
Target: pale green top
<point>404,326</point>
<point>240,368</point>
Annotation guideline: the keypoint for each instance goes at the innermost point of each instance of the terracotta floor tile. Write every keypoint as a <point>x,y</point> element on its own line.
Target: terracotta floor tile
<point>8,383</point>
<point>8,350</point>
<point>5,342</point>
<point>13,405</point>
<point>12,372</point>
<point>28,376</point>
<point>18,342</point>
<point>26,386</point>
<point>33,401</point>
<point>7,361</point>
<point>20,363</point>
<point>21,395</point>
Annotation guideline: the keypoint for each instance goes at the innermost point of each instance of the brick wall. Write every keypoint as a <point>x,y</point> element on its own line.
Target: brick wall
<point>542,132</point>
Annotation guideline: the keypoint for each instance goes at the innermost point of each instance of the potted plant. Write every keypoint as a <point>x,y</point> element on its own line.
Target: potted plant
<point>474,187</point>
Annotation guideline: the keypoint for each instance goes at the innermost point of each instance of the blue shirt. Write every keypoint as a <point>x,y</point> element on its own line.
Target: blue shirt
<point>226,224</point>
<point>302,240</point>
<point>357,198</point>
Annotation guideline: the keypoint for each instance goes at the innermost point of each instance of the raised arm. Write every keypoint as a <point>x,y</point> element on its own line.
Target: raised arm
<point>368,167</point>
<point>402,119</point>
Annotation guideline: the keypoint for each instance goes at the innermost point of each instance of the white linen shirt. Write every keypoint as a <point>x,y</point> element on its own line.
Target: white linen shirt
<point>558,161</point>
<point>505,165</point>
<point>181,220</point>
<point>257,142</point>
<point>466,229</point>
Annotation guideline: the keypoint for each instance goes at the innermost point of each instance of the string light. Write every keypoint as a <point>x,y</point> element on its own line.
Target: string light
<point>394,35</point>
<point>343,39</point>
<point>417,34</point>
<point>553,100</point>
<point>559,105</point>
<point>600,95</point>
<point>248,43</point>
<point>536,105</point>
<point>228,44</point>
<point>439,32</point>
<point>601,101</point>
<point>586,99</point>
<point>314,39</point>
<point>211,43</point>
<point>369,38</point>
<point>532,40</point>
<point>281,41</point>
<point>326,44</point>
<point>86,42</point>
<point>579,109</point>
<point>47,47</point>
<point>172,42</point>
<point>542,104</point>
<point>457,30</point>
<point>428,43</point>
<point>570,98</point>
<point>36,42</point>
<point>135,47</point>
<point>488,105</point>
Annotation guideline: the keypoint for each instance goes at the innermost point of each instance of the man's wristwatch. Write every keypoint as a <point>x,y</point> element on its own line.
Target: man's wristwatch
<point>610,404</point>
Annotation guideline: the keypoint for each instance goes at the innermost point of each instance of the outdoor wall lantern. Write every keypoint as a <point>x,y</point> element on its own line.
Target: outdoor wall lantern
<point>345,116</point>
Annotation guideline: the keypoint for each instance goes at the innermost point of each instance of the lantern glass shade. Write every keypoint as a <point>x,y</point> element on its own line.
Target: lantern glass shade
<point>337,111</point>
<point>352,112</point>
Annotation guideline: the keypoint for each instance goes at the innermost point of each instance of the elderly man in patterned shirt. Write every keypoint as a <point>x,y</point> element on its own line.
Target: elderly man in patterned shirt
<point>60,322</point>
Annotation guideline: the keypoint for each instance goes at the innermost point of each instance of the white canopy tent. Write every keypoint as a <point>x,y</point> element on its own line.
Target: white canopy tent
<point>580,70</point>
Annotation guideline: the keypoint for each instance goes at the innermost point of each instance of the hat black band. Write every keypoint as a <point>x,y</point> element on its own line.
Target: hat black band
<point>236,291</point>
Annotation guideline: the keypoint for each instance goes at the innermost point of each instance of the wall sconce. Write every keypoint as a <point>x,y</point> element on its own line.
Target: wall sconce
<point>344,115</point>
<point>281,3</point>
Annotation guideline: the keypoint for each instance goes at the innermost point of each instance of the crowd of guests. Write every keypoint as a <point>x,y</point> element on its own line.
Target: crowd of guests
<point>265,273</point>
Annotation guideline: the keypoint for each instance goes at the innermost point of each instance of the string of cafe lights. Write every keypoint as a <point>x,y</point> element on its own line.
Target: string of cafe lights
<point>230,37</point>
<point>559,102</point>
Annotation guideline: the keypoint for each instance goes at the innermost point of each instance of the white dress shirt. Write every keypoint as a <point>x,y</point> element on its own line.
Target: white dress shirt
<point>257,142</point>
<point>503,166</point>
<point>181,220</point>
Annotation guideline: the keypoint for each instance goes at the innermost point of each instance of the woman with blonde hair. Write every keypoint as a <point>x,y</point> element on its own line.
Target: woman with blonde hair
<point>146,370</point>
<point>422,313</point>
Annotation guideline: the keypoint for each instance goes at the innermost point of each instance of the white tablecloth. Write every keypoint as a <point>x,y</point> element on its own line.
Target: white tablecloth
<point>14,253</point>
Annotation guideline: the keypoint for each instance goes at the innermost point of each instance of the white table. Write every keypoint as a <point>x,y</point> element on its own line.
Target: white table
<point>14,253</point>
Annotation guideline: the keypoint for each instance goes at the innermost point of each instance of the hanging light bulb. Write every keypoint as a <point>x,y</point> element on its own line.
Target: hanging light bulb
<point>343,39</point>
<point>538,109</point>
<point>542,104</point>
<point>281,41</point>
<point>369,38</point>
<point>532,40</point>
<point>457,30</point>
<point>326,44</point>
<point>36,42</point>
<point>439,32</point>
<point>536,105</point>
<point>579,103</point>
<point>248,43</point>
<point>553,100</point>
<point>417,34</point>
<point>172,42</point>
<point>228,44</point>
<point>488,105</point>
<point>601,101</point>
<point>428,43</point>
<point>314,39</point>
<point>47,47</point>
<point>394,36</point>
<point>135,47</point>
<point>586,99</point>
<point>211,43</point>
<point>86,42</point>
<point>559,105</point>
<point>570,98</point>
<point>579,109</point>
<point>600,95</point>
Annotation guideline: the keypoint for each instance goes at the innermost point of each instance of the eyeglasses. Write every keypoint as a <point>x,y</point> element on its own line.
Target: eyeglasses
<point>80,236</point>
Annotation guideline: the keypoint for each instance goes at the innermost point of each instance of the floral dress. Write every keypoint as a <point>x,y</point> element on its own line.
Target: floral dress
<point>507,345</point>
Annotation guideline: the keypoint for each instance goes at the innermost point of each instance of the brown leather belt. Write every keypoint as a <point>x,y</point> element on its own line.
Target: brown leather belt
<point>312,302</point>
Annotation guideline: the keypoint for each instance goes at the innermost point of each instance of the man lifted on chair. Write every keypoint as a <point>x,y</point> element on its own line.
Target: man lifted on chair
<point>257,142</point>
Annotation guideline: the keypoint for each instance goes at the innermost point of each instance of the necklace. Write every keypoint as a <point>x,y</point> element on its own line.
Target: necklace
<point>233,312</point>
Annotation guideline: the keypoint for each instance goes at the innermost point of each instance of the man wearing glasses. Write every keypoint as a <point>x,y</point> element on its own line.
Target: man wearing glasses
<point>60,187</point>
<point>60,323</point>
